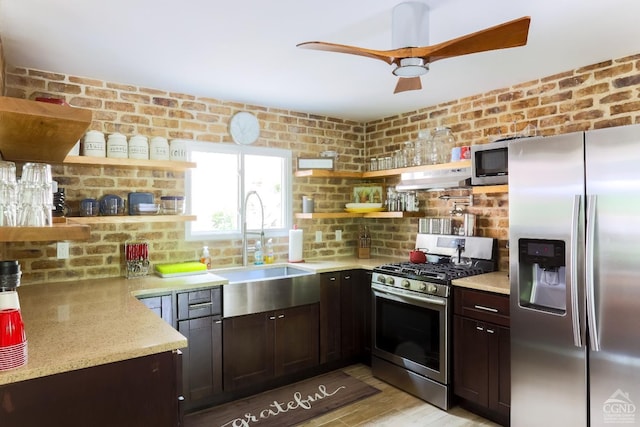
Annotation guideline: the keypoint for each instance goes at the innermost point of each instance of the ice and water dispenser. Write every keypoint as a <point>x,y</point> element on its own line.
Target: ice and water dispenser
<point>542,271</point>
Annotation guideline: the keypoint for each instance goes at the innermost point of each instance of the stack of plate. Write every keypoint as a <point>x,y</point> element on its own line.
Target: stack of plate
<point>363,207</point>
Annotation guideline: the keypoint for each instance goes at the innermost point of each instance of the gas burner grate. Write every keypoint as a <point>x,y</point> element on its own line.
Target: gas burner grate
<point>439,271</point>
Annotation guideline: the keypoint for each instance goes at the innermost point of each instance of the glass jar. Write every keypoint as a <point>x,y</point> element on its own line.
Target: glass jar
<point>408,153</point>
<point>442,142</point>
<point>420,150</point>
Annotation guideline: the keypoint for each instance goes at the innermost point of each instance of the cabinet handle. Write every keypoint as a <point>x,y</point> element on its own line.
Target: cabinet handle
<point>200,305</point>
<point>347,277</point>
<point>272,317</point>
<point>333,279</point>
<point>482,307</point>
<point>218,322</point>
<point>480,328</point>
<point>491,331</point>
<point>181,398</point>
<point>281,316</point>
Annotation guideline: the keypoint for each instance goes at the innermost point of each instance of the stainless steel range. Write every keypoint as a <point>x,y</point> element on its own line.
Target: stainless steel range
<point>412,313</point>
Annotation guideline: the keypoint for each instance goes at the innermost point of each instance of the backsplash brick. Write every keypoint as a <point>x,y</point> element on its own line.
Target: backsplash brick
<point>594,96</point>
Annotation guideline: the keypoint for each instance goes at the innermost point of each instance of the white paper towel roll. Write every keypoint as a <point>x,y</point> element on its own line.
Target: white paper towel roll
<point>295,245</point>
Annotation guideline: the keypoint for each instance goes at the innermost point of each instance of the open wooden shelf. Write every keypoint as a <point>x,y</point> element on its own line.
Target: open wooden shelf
<point>58,231</point>
<point>33,131</point>
<point>399,171</point>
<point>333,215</point>
<point>142,164</point>
<point>129,219</point>
<point>488,189</point>
<point>322,173</point>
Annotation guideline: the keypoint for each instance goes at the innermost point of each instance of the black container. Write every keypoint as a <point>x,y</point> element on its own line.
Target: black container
<point>9,275</point>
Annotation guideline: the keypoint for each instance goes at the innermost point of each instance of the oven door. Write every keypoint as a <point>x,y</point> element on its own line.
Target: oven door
<point>411,331</point>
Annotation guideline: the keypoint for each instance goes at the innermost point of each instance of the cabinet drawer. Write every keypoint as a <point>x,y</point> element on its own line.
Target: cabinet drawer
<point>206,302</point>
<point>480,305</point>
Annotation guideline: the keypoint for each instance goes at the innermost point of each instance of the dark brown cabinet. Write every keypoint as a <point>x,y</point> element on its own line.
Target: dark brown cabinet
<point>263,346</point>
<point>330,317</point>
<point>344,310</point>
<point>130,393</point>
<point>161,305</point>
<point>354,291</point>
<point>199,319</point>
<point>481,372</point>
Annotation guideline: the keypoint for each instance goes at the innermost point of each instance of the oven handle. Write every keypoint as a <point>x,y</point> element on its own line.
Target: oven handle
<point>401,297</point>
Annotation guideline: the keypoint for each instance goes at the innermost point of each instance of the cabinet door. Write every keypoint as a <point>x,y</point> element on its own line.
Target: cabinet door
<point>248,350</point>
<point>202,360</point>
<point>296,339</point>
<point>160,305</point>
<point>352,313</point>
<point>471,358</point>
<point>330,311</point>
<point>136,392</point>
<point>499,369</point>
<point>367,301</point>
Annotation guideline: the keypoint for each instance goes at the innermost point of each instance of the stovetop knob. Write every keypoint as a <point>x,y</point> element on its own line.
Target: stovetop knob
<point>406,283</point>
<point>431,288</point>
<point>382,279</point>
<point>391,280</point>
<point>423,286</point>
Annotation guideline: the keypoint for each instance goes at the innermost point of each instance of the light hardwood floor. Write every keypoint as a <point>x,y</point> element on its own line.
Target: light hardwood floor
<point>393,408</point>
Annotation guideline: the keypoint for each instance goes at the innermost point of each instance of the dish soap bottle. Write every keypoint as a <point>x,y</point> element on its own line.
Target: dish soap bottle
<point>259,257</point>
<point>205,258</point>
<point>269,257</point>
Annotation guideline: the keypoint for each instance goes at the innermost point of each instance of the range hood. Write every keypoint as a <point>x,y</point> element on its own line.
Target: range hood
<point>435,179</point>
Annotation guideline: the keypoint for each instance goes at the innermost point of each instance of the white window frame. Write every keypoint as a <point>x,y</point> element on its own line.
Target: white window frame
<point>242,150</point>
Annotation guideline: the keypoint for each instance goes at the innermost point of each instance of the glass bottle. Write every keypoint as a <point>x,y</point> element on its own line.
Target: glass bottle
<point>443,141</point>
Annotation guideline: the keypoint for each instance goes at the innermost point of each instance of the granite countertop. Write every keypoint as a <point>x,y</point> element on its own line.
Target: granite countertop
<point>497,282</point>
<point>75,325</point>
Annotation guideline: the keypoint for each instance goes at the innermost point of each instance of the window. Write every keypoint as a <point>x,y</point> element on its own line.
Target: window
<point>225,174</point>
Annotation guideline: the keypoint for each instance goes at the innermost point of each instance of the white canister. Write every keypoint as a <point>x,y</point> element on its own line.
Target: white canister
<point>159,148</point>
<point>138,147</point>
<point>178,150</point>
<point>117,146</point>
<point>94,144</point>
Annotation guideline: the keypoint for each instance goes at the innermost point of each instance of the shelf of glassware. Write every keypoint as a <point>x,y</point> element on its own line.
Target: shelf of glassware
<point>322,173</point>
<point>339,215</point>
<point>143,164</point>
<point>58,231</point>
<point>129,219</point>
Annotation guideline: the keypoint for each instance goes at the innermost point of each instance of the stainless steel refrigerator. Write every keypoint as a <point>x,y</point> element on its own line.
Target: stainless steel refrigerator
<point>574,248</point>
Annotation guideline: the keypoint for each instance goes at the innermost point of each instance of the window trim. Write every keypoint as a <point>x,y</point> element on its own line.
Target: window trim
<point>242,150</point>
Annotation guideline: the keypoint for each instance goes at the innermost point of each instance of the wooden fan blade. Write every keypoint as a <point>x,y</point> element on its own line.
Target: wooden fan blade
<point>509,34</point>
<point>408,83</point>
<point>353,50</point>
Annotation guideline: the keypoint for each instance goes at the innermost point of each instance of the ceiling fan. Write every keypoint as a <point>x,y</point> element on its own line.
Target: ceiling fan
<point>412,55</point>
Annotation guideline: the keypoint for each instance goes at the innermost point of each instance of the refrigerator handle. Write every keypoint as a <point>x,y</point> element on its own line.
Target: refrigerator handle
<point>590,285</point>
<point>575,313</point>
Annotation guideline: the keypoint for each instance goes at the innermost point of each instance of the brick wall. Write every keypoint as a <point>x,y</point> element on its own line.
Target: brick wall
<point>594,96</point>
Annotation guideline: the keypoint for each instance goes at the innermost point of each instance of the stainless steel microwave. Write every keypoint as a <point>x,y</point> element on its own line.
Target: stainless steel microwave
<point>490,163</point>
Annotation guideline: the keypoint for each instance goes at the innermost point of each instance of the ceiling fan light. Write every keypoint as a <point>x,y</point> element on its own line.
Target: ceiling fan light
<point>410,25</point>
<point>411,67</point>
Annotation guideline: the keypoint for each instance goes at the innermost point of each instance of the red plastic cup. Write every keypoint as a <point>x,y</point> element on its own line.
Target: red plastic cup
<point>11,327</point>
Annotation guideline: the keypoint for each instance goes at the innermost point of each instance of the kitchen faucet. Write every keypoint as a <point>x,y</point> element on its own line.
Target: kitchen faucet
<point>245,233</point>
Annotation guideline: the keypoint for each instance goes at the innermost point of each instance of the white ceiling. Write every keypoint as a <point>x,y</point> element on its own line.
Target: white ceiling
<point>245,50</point>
